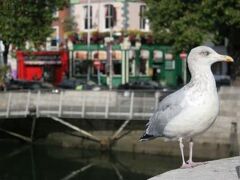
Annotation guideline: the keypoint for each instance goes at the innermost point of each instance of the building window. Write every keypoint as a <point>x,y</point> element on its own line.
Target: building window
<point>72,10</point>
<point>110,16</point>
<point>56,14</point>
<point>88,19</point>
<point>142,17</point>
<point>143,67</point>
<point>81,67</point>
<point>55,37</point>
<point>117,67</point>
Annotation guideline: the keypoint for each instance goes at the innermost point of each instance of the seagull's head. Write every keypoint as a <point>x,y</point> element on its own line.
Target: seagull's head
<point>203,55</point>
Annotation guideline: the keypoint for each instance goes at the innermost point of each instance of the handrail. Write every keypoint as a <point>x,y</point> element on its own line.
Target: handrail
<point>80,104</point>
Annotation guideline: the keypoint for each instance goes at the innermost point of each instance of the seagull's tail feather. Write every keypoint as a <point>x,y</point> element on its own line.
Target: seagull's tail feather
<point>146,137</point>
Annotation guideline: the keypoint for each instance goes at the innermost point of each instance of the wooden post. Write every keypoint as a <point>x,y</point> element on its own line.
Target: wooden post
<point>28,103</point>
<point>131,106</point>
<point>116,134</point>
<point>37,103</point>
<point>85,133</point>
<point>9,105</point>
<point>83,106</point>
<point>60,104</point>
<point>157,95</point>
<point>120,177</point>
<point>34,119</point>
<point>107,106</point>
<point>16,135</point>
<point>76,172</point>
<point>15,152</point>
<point>34,174</point>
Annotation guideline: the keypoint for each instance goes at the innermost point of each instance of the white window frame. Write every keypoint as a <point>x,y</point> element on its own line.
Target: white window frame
<point>56,14</point>
<point>86,18</point>
<point>109,16</point>
<point>142,19</point>
<point>50,38</point>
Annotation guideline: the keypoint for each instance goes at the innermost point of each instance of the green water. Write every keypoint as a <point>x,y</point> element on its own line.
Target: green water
<point>26,162</point>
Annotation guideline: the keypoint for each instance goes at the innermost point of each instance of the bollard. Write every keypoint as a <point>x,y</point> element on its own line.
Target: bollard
<point>234,140</point>
<point>32,113</point>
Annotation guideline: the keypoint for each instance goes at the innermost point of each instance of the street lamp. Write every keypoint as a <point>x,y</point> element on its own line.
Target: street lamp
<point>125,46</point>
<point>136,50</point>
<point>1,51</point>
<point>183,56</point>
<point>70,55</point>
<point>89,23</point>
<point>109,43</point>
<point>97,65</point>
<point>89,11</point>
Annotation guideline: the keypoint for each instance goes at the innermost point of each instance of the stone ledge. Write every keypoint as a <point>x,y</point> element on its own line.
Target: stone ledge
<point>222,169</point>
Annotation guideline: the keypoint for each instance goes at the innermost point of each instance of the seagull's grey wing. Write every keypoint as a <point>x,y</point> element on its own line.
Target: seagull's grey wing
<point>167,109</point>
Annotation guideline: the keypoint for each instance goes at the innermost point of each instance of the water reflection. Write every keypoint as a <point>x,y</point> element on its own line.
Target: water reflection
<point>25,162</point>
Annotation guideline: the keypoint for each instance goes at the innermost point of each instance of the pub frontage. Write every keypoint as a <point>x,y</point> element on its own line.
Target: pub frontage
<point>94,62</point>
<point>157,63</point>
<point>48,66</point>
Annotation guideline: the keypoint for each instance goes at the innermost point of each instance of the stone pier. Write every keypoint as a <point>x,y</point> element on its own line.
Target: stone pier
<point>224,169</point>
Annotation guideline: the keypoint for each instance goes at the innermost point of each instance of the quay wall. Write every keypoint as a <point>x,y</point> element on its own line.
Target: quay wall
<point>221,140</point>
<point>222,169</point>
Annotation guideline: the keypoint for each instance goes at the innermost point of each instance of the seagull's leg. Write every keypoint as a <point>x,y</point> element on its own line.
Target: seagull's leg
<point>190,151</point>
<point>190,161</point>
<point>184,164</point>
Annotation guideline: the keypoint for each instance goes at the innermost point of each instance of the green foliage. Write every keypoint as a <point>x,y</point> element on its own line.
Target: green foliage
<point>27,20</point>
<point>3,71</point>
<point>69,25</point>
<point>188,23</point>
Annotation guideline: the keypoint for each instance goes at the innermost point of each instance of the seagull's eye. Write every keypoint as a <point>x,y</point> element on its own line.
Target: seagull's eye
<point>205,53</point>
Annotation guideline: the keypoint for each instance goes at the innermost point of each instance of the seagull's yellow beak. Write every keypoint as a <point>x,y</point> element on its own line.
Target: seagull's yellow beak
<point>229,59</point>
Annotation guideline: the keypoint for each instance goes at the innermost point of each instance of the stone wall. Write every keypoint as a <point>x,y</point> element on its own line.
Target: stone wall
<point>221,140</point>
<point>221,170</point>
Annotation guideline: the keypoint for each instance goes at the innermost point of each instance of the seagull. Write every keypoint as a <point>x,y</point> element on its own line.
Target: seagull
<point>192,109</point>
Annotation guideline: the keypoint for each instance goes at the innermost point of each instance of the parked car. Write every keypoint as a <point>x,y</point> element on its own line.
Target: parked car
<point>28,85</point>
<point>222,80</point>
<point>76,84</point>
<point>70,83</point>
<point>142,85</point>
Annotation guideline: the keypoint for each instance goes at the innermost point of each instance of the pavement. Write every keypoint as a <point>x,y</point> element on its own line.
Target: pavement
<point>223,169</point>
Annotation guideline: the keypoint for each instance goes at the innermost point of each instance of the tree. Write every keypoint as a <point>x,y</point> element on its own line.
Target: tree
<point>176,23</point>
<point>69,25</point>
<point>225,22</point>
<point>3,71</point>
<point>26,20</point>
<point>185,24</point>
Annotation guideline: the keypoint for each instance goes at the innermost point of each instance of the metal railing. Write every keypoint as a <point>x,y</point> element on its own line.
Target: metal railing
<point>80,104</point>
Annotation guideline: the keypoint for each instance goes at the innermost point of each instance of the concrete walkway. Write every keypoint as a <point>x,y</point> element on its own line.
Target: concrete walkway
<point>224,169</point>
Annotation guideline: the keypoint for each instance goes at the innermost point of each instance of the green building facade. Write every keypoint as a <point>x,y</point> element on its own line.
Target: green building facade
<point>147,62</point>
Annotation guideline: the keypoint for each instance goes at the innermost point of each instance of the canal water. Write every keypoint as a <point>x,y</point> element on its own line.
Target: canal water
<point>31,162</point>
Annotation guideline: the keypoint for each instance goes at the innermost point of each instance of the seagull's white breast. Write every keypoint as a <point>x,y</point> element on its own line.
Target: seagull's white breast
<point>201,107</point>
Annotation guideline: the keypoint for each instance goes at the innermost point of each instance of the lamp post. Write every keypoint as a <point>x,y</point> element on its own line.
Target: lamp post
<point>97,65</point>
<point>125,46</point>
<point>70,55</point>
<point>88,14</point>
<point>108,44</point>
<point>183,56</point>
<point>137,48</point>
<point>88,37</point>
<point>110,65</point>
<point>1,51</point>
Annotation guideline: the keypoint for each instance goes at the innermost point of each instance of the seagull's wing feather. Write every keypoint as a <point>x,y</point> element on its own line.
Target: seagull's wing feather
<point>167,109</point>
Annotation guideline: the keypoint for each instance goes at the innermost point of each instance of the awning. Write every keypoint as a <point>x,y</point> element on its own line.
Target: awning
<point>42,62</point>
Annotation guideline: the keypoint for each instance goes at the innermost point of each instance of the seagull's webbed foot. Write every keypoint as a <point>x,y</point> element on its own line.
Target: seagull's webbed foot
<point>185,166</point>
<point>190,162</point>
<point>194,164</point>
